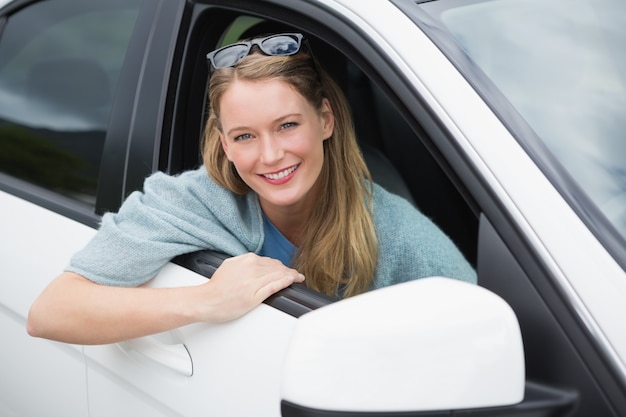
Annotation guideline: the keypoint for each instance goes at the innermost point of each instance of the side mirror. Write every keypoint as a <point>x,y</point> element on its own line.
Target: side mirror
<point>425,345</point>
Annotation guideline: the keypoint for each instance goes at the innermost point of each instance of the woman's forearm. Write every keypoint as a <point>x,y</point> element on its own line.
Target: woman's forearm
<point>73,309</point>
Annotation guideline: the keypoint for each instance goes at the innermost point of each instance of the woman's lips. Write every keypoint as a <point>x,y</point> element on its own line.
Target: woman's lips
<point>280,177</point>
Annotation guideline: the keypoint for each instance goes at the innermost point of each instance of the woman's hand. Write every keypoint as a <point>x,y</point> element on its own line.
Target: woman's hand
<point>242,283</point>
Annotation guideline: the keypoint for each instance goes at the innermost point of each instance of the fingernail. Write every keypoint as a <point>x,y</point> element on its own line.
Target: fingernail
<point>301,277</point>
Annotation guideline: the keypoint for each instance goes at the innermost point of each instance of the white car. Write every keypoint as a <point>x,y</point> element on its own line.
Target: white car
<point>504,121</point>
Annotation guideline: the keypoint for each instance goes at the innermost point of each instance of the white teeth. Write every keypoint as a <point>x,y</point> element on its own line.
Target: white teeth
<point>281,174</point>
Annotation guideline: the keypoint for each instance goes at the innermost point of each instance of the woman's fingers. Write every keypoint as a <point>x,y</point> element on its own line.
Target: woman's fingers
<point>275,281</point>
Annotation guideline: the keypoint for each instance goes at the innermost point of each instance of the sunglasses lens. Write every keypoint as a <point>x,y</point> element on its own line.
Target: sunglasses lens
<point>276,45</point>
<point>280,45</point>
<point>230,55</point>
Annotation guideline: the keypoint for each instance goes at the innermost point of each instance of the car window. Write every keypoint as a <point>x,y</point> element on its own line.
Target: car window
<point>562,67</point>
<point>59,65</point>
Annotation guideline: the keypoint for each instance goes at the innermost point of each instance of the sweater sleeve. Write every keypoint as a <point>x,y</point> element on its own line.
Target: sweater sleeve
<point>411,246</point>
<point>172,216</point>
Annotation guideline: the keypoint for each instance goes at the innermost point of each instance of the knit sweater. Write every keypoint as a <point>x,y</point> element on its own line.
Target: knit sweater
<point>188,212</point>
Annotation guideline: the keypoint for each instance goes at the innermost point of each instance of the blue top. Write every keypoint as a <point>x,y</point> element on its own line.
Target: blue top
<point>275,245</point>
<point>189,212</point>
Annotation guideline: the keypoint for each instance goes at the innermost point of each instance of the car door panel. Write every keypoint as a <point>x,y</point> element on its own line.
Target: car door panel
<point>236,365</point>
<point>38,375</point>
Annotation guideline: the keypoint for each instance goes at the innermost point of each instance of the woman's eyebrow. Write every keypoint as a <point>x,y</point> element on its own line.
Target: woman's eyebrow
<point>287,116</point>
<point>237,129</point>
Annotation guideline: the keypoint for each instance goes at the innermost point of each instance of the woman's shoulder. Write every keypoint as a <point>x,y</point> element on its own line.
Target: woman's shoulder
<point>184,181</point>
<point>400,226</point>
<point>188,187</point>
<point>411,245</point>
<point>187,194</point>
<point>388,206</point>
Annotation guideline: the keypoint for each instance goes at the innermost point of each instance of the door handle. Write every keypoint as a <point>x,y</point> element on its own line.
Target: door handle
<point>175,356</point>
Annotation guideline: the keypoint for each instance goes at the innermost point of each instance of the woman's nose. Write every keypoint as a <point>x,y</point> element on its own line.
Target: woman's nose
<point>271,150</point>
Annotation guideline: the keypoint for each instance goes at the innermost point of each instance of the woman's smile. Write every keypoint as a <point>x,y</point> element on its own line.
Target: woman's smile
<point>282,176</point>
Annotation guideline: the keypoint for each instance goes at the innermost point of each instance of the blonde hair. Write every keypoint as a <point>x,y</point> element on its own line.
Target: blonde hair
<point>338,249</point>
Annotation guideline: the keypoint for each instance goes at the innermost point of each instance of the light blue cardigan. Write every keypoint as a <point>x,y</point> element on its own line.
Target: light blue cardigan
<point>189,212</point>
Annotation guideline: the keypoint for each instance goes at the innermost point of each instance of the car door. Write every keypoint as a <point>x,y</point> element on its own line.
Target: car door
<point>59,65</point>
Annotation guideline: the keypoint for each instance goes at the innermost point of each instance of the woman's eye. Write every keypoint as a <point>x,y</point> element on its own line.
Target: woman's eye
<point>288,125</point>
<point>244,136</point>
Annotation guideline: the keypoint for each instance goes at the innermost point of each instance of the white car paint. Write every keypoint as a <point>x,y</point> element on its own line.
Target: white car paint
<point>235,366</point>
<point>36,244</point>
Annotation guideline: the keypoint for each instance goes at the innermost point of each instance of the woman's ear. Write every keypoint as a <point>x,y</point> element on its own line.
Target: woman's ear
<point>328,120</point>
<point>224,145</point>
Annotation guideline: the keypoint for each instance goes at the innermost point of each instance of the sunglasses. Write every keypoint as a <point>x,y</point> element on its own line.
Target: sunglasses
<point>282,44</point>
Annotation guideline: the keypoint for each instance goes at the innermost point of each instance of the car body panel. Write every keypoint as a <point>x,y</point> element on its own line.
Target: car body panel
<point>235,366</point>
<point>31,247</point>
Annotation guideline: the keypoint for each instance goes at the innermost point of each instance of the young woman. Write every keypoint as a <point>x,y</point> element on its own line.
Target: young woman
<point>287,194</point>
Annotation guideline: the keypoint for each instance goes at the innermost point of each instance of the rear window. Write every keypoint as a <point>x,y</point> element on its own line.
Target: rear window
<point>59,66</point>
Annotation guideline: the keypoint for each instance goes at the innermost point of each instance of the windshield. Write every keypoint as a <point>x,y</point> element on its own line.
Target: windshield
<point>562,65</point>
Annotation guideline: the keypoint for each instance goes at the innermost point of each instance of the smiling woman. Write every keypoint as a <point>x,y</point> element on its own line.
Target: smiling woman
<point>286,180</point>
<point>328,177</point>
<point>321,189</point>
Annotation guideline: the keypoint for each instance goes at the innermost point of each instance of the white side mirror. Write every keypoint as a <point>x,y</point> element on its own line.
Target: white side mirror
<point>428,344</point>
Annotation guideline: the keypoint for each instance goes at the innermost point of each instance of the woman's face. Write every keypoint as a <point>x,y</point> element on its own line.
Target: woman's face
<point>274,137</point>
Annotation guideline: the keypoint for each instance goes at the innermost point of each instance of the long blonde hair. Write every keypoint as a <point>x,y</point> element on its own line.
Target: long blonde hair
<point>338,249</point>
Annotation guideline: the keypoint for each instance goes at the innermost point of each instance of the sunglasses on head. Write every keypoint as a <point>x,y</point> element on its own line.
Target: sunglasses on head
<point>282,44</point>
